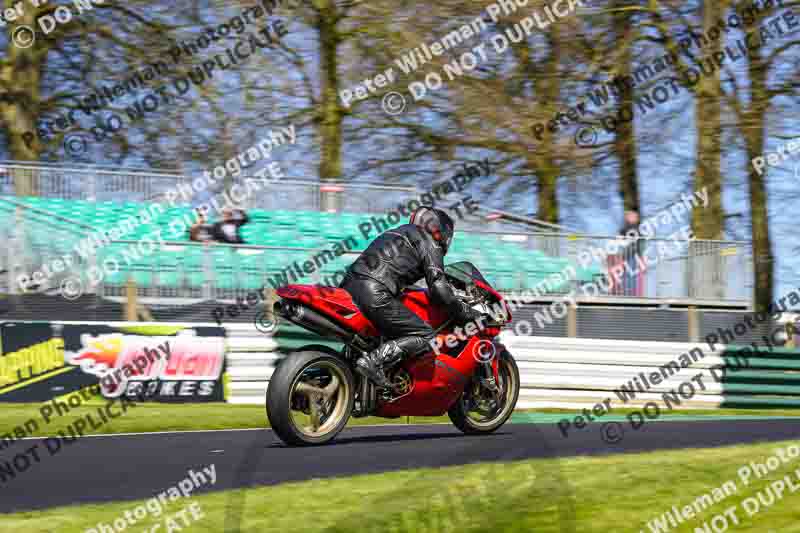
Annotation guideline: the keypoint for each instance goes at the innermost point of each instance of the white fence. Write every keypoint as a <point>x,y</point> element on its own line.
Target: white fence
<point>574,373</point>
<point>251,359</point>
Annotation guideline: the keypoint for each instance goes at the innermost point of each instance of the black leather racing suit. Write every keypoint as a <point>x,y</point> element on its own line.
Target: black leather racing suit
<point>394,260</point>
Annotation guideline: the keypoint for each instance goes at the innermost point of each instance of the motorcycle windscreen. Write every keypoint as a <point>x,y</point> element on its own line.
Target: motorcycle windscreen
<point>465,271</point>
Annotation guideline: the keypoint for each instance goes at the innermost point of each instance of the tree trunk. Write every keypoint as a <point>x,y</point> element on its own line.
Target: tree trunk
<point>332,115</point>
<point>625,136</point>
<point>546,168</point>
<point>709,223</point>
<point>708,266</point>
<point>20,77</point>
<point>753,128</point>
<point>229,151</point>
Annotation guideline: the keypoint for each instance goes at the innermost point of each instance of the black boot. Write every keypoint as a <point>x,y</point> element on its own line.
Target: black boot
<point>372,364</point>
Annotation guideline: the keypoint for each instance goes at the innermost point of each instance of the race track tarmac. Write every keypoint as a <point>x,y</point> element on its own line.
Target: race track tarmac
<point>130,467</point>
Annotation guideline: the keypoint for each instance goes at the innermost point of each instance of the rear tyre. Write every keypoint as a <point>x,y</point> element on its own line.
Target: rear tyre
<point>310,398</point>
<point>480,411</point>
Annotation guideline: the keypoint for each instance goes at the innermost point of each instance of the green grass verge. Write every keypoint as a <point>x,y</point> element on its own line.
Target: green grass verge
<point>619,493</point>
<point>149,417</point>
<point>694,412</point>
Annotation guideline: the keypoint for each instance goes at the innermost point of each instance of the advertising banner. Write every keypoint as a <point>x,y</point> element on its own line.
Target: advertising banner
<point>161,362</point>
<point>32,366</point>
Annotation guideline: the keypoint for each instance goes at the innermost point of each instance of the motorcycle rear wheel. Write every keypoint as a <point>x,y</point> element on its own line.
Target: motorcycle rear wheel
<point>310,398</point>
<point>463,412</point>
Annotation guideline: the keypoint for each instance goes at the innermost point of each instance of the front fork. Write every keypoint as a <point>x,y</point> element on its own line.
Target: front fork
<point>487,373</point>
<point>487,377</point>
<point>489,370</point>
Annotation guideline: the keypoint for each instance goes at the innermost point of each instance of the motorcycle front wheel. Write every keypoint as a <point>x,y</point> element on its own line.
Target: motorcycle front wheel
<point>481,410</point>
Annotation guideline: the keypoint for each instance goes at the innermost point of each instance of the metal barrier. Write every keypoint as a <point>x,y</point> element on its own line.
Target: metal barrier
<point>666,281</point>
<point>717,276</point>
<point>33,239</point>
<point>658,267</point>
<point>86,182</point>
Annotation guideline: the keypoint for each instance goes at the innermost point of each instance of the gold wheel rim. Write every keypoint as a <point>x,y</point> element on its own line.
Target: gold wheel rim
<point>325,389</point>
<point>507,385</point>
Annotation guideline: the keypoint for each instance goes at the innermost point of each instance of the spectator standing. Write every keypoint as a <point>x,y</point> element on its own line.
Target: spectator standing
<point>630,253</point>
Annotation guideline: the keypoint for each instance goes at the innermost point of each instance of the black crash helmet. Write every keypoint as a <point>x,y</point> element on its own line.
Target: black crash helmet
<point>436,223</point>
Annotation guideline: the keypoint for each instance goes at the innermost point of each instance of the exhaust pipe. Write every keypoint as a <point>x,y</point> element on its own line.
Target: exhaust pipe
<point>310,319</point>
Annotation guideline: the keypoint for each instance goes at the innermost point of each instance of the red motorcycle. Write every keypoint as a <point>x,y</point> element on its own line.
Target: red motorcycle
<point>314,391</point>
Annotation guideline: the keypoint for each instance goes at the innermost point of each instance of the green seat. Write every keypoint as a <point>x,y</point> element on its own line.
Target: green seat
<point>33,201</point>
<point>587,274</point>
<point>532,279</point>
<point>251,280</point>
<point>169,278</point>
<point>283,218</point>
<point>223,259</point>
<point>251,234</point>
<point>351,220</point>
<point>276,260</point>
<point>459,243</point>
<point>143,277</point>
<point>298,256</point>
<point>308,242</point>
<point>359,245</point>
<point>278,237</point>
<point>169,267</point>
<point>251,269</point>
<point>195,279</point>
<point>170,258</point>
<point>193,257</point>
<point>225,279</point>
<point>333,227</point>
<point>508,264</point>
<point>308,223</point>
<point>260,214</point>
<point>119,277</point>
<point>111,251</point>
<point>142,267</point>
<point>456,256</point>
<point>191,271</point>
<point>507,281</point>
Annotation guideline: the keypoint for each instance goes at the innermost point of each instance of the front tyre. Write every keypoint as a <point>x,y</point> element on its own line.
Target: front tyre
<point>310,398</point>
<point>481,410</point>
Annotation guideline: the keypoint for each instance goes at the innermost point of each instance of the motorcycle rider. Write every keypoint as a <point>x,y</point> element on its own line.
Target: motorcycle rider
<point>396,259</point>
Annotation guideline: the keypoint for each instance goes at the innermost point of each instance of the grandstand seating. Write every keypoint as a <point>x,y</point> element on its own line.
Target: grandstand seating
<point>508,265</point>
